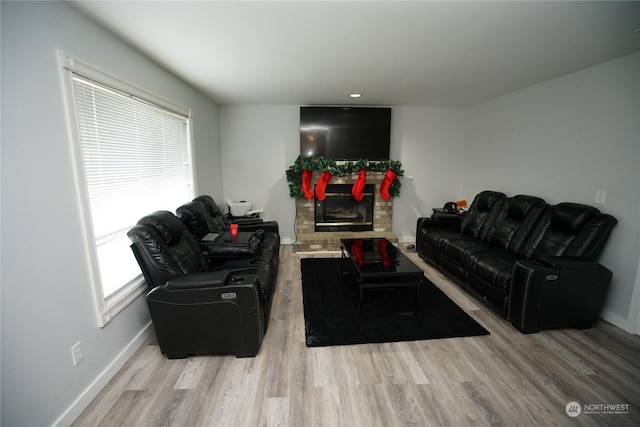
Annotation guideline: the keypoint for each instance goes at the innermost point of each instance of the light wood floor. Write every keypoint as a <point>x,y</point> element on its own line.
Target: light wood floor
<point>505,378</point>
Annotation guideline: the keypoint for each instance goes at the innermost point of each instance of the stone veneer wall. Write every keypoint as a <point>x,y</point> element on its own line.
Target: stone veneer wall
<point>307,239</point>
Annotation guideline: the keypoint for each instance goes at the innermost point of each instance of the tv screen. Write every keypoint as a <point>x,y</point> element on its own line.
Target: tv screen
<point>345,133</point>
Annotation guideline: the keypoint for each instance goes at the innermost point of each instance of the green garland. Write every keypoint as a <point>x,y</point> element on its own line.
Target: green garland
<point>320,164</point>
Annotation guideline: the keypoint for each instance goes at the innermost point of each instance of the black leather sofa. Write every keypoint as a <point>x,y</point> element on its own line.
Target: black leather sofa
<point>201,217</point>
<point>198,303</point>
<point>535,264</point>
<point>217,221</point>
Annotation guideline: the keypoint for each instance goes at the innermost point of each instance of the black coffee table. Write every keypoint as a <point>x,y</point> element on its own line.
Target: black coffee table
<point>377,263</point>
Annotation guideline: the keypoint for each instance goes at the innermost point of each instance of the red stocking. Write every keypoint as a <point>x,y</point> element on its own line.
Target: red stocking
<point>306,184</point>
<point>321,186</point>
<point>384,255</point>
<point>388,179</point>
<point>356,251</point>
<point>358,187</point>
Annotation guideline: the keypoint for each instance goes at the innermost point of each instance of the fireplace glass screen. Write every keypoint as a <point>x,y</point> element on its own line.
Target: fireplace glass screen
<point>339,211</point>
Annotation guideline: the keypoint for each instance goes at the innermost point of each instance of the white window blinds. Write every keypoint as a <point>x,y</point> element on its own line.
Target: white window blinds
<point>136,159</point>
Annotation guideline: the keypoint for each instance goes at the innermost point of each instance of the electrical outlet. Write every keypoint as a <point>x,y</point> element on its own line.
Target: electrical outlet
<point>76,353</point>
<point>600,196</point>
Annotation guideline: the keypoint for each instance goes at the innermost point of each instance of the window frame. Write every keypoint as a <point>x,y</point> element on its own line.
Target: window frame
<point>106,307</point>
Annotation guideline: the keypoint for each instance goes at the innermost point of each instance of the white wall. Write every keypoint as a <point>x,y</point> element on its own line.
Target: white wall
<point>563,140</point>
<point>429,143</point>
<point>47,302</point>
<point>261,142</point>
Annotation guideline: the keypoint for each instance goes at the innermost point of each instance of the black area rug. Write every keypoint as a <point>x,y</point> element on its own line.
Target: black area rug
<point>331,313</point>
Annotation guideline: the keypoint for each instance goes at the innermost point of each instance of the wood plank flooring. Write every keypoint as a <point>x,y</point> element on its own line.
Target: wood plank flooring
<point>503,379</point>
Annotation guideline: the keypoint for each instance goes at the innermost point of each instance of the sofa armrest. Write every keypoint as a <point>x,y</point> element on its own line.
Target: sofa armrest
<point>555,293</point>
<point>198,280</point>
<point>445,222</point>
<point>447,217</point>
<point>567,263</point>
<point>425,224</point>
<point>218,286</point>
<point>245,220</point>
<point>209,319</point>
<point>267,226</point>
<point>247,246</point>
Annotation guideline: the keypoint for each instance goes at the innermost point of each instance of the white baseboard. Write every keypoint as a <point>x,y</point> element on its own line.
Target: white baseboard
<point>90,393</point>
<point>407,239</point>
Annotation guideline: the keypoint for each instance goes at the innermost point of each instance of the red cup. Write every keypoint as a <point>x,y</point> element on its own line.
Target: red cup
<point>233,228</point>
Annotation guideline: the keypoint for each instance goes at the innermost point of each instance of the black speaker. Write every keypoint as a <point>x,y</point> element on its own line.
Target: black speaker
<point>450,207</point>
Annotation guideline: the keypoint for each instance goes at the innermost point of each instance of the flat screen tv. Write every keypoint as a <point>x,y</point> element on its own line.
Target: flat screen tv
<point>345,133</point>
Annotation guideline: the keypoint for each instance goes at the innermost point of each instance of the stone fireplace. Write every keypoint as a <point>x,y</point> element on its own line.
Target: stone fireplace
<point>340,211</point>
<point>309,239</point>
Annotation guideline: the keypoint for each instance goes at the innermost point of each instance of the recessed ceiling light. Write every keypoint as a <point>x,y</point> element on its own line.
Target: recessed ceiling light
<point>355,95</point>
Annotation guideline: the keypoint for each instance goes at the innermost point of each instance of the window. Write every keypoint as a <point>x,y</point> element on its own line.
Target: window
<point>133,156</point>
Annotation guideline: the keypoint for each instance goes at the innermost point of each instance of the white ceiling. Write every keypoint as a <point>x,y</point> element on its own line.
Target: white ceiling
<point>447,53</point>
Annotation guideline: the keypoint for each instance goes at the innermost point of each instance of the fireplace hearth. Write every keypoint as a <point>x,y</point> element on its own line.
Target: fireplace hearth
<point>339,211</point>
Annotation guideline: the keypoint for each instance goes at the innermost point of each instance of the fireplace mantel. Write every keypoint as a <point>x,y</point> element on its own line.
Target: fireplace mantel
<point>308,240</point>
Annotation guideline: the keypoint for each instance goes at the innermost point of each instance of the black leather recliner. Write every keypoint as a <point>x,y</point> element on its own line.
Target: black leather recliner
<point>534,263</point>
<point>194,308</point>
<point>214,222</point>
<point>259,247</point>
<point>217,220</point>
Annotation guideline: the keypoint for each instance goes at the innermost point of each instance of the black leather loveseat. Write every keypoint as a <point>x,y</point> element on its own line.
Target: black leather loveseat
<point>533,263</point>
<point>205,302</point>
<point>202,217</point>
